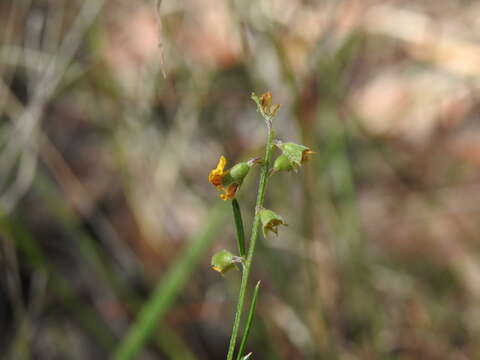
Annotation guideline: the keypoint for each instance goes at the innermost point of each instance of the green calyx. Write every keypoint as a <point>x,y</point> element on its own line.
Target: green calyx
<point>282,163</point>
<point>270,221</point>
<point>295,153</point>
<point>239,171</point>
<point>236,174</point>
<point>223,261</point>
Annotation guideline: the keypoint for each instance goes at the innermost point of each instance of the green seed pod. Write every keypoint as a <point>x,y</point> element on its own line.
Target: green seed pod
<point>282,164</point>
<point>270,221</point>
<point>222,261</point>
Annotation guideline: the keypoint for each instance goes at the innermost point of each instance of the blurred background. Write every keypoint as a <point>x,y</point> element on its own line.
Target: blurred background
<point>112,114</point>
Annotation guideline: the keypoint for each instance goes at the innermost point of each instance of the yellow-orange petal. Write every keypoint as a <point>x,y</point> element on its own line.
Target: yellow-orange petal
<point>216,268</point>
<point>222,162</point>
<point>230,192</point>
<point>215,179</point>
<point>306,154</point>
<point>216,175</point>
<point>266,100</point>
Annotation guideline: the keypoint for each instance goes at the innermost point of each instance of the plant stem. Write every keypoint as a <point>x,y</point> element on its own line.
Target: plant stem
<point>248,324</point>
<point>253,240</point>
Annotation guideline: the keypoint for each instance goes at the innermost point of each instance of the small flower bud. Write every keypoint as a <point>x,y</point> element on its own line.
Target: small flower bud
<point>282,164</point>
<point>270,221</point>
<point>297,154</point>
<point>264,104</point>
<point>266,99</point>
<point>222,261</point>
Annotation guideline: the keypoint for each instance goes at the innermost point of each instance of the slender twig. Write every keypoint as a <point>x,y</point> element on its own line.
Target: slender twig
<point>253,238</point>
<point>158,14</point>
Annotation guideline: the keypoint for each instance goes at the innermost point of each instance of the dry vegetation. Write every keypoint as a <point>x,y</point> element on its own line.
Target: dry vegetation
<point>110,123</point>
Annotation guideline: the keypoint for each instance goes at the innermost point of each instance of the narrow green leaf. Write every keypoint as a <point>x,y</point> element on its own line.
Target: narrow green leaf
<point>237,215</point>
<point>248,324</point>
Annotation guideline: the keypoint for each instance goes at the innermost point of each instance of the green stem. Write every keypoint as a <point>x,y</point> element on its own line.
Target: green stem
<point>248,324</point>
<point>253,240</point>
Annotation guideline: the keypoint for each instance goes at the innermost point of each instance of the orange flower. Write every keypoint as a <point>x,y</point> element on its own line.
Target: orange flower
<point>216,175</point>
<point>224,181</point>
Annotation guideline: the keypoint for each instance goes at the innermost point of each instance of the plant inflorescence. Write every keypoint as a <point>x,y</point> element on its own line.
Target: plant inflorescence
<point>229,182</point>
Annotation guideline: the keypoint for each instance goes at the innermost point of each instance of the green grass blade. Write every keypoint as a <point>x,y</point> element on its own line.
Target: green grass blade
<point>248,324</point>
<point>82,314</point>
<point>169,287</point>
<point>237,215</point>
<point>173,345</point>
<point>168,342</point>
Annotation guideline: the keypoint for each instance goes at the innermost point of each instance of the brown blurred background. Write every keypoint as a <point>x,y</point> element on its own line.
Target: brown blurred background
<point>112,113</point>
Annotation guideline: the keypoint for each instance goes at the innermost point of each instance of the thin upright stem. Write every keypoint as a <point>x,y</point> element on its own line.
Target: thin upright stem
<point>253,240</point>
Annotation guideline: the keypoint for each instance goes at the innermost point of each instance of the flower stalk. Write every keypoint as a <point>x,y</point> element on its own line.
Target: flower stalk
<point>253,240</point>
<point>248,324</point>
<point>229,181</point>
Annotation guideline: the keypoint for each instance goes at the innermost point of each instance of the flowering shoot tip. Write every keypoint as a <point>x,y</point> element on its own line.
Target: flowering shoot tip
<point>265,106</point>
